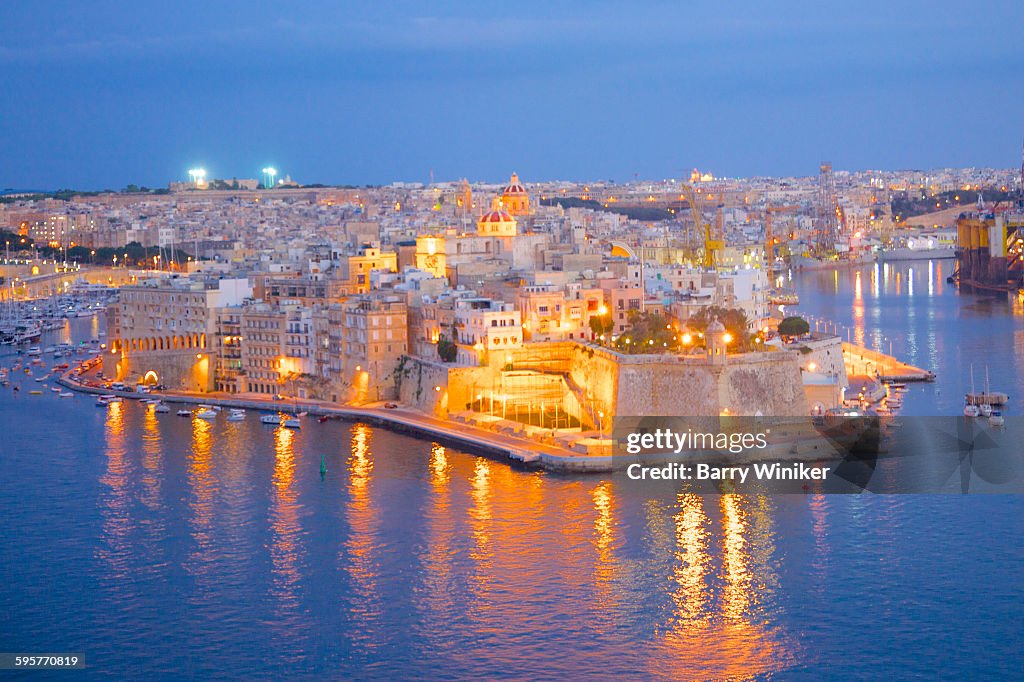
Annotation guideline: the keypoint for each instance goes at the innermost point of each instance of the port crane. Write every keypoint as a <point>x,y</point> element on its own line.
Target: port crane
<point>769,237</point>
<point>712,238</point>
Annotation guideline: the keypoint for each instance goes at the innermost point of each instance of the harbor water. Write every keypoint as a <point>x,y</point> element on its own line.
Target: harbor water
<point>176,548</point>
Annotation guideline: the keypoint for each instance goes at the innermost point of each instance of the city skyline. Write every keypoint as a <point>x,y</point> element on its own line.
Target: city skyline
<point>376,96</point>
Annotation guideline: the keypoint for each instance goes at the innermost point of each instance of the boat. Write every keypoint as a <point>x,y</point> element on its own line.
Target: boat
<point>207,414</point>
<point>34,350</point>
<point>270,419</point>
<point>985,409</point>
<point>55,389</point>
<point>40,380</point>
<point>161,407</point>
<point>971,411</point>
<point>236,415</point>
<point>996,418</point>
<point>35,392</point>
<point>66,394</point>
<point>292,423</point>
<point>184,413</point>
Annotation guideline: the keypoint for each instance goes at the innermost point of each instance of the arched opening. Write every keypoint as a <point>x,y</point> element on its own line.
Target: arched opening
<point>151,379</point>
<point>202,340</point>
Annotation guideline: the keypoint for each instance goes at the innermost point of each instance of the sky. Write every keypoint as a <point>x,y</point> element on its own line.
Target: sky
<point>102,94</point>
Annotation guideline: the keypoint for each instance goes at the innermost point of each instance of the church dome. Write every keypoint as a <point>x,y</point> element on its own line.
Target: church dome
<point>496,216</point>
<point>514,187</point>
<point>715,327</point>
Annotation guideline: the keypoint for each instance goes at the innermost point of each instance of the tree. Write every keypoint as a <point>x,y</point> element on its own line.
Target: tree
<point>734,320</point>
<point>648,333</point>
<point>794,326</point>
<point>446,349</point>
<point>601,325</point>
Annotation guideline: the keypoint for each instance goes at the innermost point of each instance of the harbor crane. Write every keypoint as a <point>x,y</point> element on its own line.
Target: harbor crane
<point>712,237</point>
<point>770,240</point>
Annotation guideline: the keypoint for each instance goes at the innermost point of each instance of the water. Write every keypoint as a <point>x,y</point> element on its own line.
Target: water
<point>170,547</point>
<point>910,309</point>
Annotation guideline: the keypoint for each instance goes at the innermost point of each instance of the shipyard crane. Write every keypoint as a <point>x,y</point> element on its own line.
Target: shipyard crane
<point>713,242</point>
<point>769,237</point>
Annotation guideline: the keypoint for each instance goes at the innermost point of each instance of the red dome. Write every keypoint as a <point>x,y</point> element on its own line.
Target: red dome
<point>513,186</point>
<point>496,216</point>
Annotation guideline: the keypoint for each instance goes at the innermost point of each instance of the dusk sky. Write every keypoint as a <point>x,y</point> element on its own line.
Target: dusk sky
<point>102,94</point>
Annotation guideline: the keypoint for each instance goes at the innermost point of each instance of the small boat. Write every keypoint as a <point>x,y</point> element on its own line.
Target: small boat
<point>35,392</point>
<point>55,389</point>
<point>207,414</point>
<point>897,386</point>
<point>162,408</point>
<point>971,411</point>
<point>270,419</point>
<point>985,409</point>
<point>996,418</point>
<point>292,423</point>
<point>40,380</point>
<point>66,394</point>
<point>184,413</point>
<point>34,350</point>
<point>236,415</point>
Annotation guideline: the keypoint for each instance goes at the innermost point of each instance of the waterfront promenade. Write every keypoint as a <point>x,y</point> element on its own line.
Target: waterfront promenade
<point>519,451</point>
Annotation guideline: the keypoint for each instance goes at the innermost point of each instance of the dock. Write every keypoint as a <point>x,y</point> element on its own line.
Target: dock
<point>865,361</point>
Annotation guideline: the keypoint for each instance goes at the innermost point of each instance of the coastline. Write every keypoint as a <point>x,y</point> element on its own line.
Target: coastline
<point>517,452</point>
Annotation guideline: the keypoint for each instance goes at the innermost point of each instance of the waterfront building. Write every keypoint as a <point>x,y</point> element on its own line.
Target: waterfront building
<point>158,330</point>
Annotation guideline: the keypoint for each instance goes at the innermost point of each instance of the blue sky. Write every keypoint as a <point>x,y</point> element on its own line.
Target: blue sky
<point>104,93</point>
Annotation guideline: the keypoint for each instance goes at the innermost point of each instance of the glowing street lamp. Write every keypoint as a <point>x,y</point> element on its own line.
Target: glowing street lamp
<point>269,173</point>
<point>198,176</point>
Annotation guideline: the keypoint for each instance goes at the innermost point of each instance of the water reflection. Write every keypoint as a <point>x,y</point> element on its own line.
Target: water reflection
<point>480,530</point>
<point>201,500</point>
<point>692,563</point>
<point>437,580</point>
<point>723,637</point>
<point>152,447</point>
<point>604,543</point>
<point>358,552</point>
<point>284,523</point>
<point>115,499</point>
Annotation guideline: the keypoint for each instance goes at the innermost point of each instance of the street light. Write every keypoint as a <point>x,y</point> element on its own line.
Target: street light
<point>270,173</point>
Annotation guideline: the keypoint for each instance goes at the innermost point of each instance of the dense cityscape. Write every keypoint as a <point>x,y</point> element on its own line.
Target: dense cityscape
<point>491,341</point>
<point>535,312</point>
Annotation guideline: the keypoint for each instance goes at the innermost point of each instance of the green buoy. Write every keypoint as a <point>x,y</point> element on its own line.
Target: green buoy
<point>323,467</point>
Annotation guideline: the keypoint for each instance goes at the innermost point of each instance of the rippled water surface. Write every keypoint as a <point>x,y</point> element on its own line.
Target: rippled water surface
<point>155,544</point>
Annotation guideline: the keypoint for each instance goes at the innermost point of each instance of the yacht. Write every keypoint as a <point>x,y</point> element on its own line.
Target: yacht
<point>236,415</point>
<point>270,419</point>
<point>971,411</point>
<point>996,418</point>
<point>985,409</point>
<point>66,394</point>
<point>161,407</point>
<point>184,413</point>
<point>292,423</point>
<point>207,414</point>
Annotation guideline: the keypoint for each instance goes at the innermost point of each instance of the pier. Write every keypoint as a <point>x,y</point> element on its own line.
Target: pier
<point>864,361</point>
